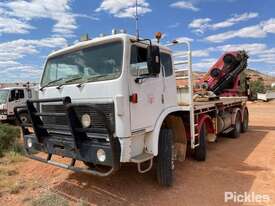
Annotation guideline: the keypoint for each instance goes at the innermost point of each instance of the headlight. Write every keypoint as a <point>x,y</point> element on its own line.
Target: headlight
<point>29,142</point>
<point>86,120</point>
<point>101,155</point>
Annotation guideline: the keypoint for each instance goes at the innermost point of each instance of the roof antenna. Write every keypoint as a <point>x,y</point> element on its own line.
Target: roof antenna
<point>136,17</point>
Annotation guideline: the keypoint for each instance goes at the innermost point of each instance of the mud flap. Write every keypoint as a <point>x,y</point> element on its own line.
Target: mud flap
<point>177,126</point>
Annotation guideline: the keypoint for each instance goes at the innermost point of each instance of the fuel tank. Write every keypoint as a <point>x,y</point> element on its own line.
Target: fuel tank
<point>224,121</point>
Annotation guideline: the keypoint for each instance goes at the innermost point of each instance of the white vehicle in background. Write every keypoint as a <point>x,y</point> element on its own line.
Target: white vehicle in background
<point>269,95</point>
<point>13,97</point>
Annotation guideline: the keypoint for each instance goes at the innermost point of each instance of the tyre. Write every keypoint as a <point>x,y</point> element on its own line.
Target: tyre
<point>235,133</point>
<point>24,118</point>
<point>200,151</point>
<point>165,164</point>
<point>245,122</point>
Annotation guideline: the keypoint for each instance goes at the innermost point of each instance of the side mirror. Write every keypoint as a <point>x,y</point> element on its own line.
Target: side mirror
<point>153,60</point>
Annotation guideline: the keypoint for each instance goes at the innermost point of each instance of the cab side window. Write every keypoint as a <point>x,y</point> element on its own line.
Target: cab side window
<point>138,63</point>
<point>12,95</point>
<point>20,94</point>
<point>16,94</point>
<point>166,61</point>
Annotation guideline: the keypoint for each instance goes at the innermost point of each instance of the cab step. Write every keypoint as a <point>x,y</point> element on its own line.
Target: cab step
<point>142,158</point>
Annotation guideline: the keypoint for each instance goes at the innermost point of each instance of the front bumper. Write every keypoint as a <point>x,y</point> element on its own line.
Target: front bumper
<point>3,117</point>
<point>74,143</point>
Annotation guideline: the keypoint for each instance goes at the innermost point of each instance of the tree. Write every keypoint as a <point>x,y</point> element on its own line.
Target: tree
<point>257,86</point>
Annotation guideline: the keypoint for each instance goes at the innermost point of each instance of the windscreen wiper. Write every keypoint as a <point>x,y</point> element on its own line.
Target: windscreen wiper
<point>91,78</point>
<point>68,81</point>
<point>51,82</point>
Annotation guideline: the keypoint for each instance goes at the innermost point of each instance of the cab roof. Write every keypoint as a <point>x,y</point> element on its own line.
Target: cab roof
<point>10,88</point>
<point>99,40</point>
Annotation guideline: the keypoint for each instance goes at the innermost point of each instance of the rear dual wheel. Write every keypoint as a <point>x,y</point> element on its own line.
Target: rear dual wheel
<point>200,152</point>
<point>245,122</point>
<point>237,127</point>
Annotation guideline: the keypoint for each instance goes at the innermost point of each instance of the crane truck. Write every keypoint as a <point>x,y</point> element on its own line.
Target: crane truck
<point>114,99</point>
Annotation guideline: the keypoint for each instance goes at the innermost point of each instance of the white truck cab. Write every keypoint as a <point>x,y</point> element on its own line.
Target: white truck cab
<point>112,100</point>
<point>112,70</point>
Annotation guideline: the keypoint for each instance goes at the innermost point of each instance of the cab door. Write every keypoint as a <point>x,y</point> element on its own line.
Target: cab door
<point>20,97</point>
<point>16,98</point>
<point>11,101</point>
<point>145,89</point>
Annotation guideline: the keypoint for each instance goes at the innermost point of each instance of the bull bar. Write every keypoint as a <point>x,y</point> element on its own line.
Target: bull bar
<point>41,136</point>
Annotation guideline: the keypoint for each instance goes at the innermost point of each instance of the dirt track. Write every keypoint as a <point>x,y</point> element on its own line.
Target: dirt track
<point>246,164</point>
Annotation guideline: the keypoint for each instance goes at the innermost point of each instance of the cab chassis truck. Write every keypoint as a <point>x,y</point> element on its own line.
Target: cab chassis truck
<point>114,100</point>
<point>13,97</point>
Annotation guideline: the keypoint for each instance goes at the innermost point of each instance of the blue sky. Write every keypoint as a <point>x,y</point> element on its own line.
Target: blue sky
<point>30,29</point>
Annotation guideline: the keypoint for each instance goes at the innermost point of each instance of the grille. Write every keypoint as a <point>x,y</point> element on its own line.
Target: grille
<point>59,121</point>
<point>3,112</point>
<point>97,119</point>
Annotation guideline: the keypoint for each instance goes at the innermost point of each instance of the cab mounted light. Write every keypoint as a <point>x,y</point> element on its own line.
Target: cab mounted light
<point>85,37</point>
<point>158,36</point>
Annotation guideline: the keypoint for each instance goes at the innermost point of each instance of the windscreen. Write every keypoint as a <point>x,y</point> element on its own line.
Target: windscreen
<point>3,96</point>
<point>96,63</point>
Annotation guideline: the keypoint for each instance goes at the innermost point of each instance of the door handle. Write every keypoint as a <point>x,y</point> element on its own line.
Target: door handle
<point>139,80</point>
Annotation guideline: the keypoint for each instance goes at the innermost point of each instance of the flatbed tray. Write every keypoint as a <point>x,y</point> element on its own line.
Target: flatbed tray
<point>226,101</point>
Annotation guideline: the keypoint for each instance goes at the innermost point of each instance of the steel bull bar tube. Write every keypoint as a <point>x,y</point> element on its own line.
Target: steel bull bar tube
<point>78,133</point>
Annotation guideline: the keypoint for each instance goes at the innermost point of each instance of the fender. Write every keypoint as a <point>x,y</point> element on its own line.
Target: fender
<point>234,115</point>
<point>203,118</point>
<point>211,134</point>
<point>152,138</point>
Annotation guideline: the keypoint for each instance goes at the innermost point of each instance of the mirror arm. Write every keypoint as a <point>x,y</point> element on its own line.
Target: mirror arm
<point>142,41</point>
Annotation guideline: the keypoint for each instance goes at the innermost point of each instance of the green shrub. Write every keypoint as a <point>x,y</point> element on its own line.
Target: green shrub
<point>13,157</point>
<point>18,148</point>
<point>9,137</point>
<point>50,199</point>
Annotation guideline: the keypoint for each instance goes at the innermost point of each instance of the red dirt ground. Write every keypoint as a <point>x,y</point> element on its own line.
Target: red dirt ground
<point>246,164</point>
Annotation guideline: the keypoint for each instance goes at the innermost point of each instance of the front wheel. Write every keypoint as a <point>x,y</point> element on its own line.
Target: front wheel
<point>24,117</point>
<point>165,164</point>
